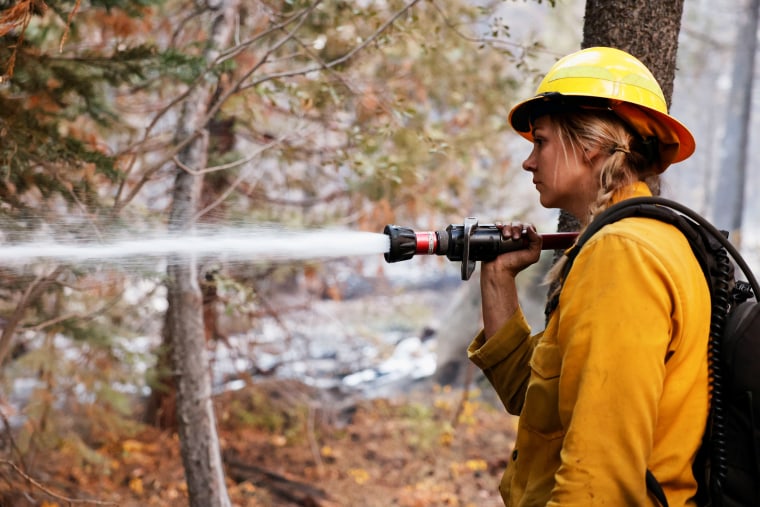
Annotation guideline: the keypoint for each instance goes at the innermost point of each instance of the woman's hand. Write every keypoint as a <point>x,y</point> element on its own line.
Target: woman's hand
<point>511,263</point>
<point>497,277</point>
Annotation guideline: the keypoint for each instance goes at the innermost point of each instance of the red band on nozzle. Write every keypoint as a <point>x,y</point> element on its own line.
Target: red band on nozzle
<point>426,242</point>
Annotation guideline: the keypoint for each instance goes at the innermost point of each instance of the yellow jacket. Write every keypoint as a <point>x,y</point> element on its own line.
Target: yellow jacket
<point>617,382</point>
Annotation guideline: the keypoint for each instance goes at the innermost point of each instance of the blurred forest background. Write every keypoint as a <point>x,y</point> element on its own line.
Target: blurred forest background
<point>137,119</point>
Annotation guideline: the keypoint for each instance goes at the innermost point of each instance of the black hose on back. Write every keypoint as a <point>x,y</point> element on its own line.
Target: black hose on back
<point>721,303</point>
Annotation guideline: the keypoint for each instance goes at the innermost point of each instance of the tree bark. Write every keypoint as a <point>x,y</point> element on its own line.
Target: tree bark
<point>462,324</point>
<point>199,442</point>
<point>185,336</point>
<point>648,29</point>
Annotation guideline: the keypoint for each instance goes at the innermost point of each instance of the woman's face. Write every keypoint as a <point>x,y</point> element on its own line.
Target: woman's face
<point>563,176</point>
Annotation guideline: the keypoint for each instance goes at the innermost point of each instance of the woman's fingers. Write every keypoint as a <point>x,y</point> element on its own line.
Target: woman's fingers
<point>514,230</point>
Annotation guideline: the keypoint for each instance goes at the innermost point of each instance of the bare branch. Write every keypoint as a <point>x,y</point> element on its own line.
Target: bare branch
<point>239,86</point>
<point>225,56</point>
<point>304,203</point>
<point>235,183</point>
<point>119,205</point>
<point>231,165</point>
<point>493,41</point>
<point>337,61</point>
<point>75,315</point>
<point>301,15</point>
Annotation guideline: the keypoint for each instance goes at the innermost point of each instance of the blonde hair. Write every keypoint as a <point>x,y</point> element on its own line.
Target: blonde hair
<point>627,159</point>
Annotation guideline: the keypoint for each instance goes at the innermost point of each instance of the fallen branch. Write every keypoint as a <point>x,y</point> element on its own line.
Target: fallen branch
<point>289,489</point>
<point>47,491</point>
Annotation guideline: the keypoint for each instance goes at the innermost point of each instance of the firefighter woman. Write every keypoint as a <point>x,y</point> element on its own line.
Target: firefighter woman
<point>617,383</point>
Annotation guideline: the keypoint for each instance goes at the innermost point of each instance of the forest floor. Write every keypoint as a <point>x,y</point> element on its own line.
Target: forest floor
<point>286,444</point>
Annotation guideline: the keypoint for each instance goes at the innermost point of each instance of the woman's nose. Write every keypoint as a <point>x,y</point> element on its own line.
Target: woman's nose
<point>529,164</point>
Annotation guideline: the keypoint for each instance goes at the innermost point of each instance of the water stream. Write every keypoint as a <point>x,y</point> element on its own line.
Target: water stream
<point>257,245</point>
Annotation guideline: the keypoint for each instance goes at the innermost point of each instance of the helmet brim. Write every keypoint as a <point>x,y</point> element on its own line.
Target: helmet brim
<point>676,141</point>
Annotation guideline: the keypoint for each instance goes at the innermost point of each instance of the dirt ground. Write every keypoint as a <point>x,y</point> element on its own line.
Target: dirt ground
<point>285,444</point>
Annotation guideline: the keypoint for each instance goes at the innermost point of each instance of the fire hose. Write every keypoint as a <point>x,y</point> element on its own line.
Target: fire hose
<point>469,243</point>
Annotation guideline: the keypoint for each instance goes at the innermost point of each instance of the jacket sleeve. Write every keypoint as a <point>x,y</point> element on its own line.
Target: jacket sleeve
<point>505,360</point>
<point>614,333</point>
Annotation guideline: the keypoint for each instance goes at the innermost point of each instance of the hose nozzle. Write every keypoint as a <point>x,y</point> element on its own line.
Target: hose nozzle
<point>468,243</point>
<point>403,243</point>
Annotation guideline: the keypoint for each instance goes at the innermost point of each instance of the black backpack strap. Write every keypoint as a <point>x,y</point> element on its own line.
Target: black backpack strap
<point>654,487</point>
<point>696,229</point>
<point>708,232</point>
<point>637,206</point>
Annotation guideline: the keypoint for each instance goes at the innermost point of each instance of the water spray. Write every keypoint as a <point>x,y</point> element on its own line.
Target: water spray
<point>257,245</point>
<point>469,243</point>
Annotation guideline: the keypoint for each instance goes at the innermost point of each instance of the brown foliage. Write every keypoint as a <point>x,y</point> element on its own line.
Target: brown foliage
<point>286,445</point>
<point>15,17</point>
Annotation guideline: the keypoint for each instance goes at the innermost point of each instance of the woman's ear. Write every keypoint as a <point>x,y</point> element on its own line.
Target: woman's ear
<point>590,152</point>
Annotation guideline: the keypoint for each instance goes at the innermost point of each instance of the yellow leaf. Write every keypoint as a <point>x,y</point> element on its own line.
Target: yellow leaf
<point>247,487</point>
<point>130,446</point>
<point>327,451</point>
<point>359,475</point>
<point>476,465</point>
<point>442,404</point>
<point>136,485</point>
<point>447,438</point>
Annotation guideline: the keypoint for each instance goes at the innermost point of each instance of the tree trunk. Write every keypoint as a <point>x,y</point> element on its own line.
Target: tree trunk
<point>461,325</point>
<point>199,443</point>
<point>185,333</point>
<point>729,205</point>
<point>648,29</point>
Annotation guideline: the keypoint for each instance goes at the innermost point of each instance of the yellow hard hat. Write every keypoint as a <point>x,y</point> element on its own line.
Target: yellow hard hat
<point>617,81</point>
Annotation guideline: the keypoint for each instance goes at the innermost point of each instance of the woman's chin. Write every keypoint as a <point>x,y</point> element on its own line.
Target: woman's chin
<point>547,202</point>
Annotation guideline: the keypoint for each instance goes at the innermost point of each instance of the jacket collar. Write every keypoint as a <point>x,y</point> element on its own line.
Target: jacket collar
<point>638,189</point>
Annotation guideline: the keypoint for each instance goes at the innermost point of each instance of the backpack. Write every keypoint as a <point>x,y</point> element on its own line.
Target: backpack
<point>727,466</point>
